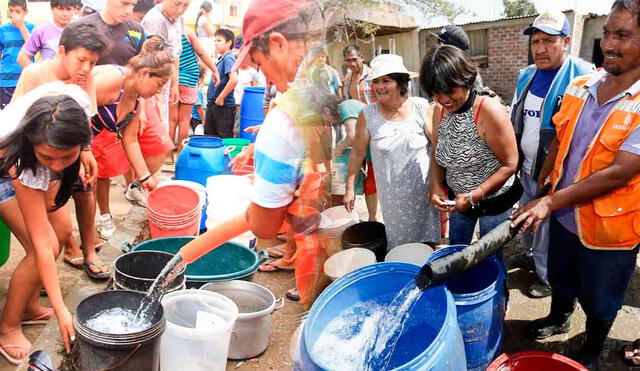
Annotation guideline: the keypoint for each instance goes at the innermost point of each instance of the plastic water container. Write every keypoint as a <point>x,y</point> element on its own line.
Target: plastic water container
<point>202,193</point>
<point>202,157</point>
<point>534,361</point>
<point>345,261</point>
<point>5,243</point>
<point>251,110</point>
<point>430,339</point>
<point>480,303</point>
<point>228,196</point>
<point>413,253</point>
<point>198,330</point>
<point>173,210</point>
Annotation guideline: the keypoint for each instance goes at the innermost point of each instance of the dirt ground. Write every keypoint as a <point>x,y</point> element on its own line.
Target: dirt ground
<point>285,320</point>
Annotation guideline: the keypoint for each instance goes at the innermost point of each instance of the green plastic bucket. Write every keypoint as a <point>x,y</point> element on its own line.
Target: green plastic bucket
<point>5,243</point>
<point>230,261</point>
<point>235,145</point>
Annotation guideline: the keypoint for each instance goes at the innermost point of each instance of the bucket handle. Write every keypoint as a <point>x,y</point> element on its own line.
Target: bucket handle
<point>263,255</point>
<point>185,141</point>
<point>229,149</point>
<point>279,304</point>
<point>126,247</point>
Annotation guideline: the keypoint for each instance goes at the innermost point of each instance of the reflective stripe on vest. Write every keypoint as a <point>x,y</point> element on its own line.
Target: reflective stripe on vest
<point>611,221</point>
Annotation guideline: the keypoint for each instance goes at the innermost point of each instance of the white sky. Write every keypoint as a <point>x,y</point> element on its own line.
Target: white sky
<point>491,9</point>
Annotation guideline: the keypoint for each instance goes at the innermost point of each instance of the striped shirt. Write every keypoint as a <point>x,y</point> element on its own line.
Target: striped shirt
<point>11,42</point>
<point>188,72</point>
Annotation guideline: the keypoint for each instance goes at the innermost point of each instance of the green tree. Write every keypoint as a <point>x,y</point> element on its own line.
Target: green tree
<point>518,8</point>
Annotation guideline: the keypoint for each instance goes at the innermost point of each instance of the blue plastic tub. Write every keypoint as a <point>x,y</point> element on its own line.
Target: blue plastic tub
<point>251,111</point>
<point>480,304</point>
<point>202,157</point>
<point>431,338</point>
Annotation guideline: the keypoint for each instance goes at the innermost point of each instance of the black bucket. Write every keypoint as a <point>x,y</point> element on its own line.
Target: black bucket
<point>367,235</point>
<point>136,271</point>
<point>96,350</point>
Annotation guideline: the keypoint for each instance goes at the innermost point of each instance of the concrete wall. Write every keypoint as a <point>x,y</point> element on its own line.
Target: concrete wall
<point>592,31</point>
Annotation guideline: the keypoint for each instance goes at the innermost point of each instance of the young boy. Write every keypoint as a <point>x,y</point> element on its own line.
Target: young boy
<point>45,38</point>
<point>12,36</point>
<point>197,114</point>
<point>221,105</point>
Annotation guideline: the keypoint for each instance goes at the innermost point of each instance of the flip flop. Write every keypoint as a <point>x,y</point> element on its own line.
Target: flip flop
<point>100,245</point>
<point>94,275</point>
<point>39,320</point>
<point>6,355</point>
<point>628,355</point>
<point>276,249</point>
<point>293,295</point>
<point>71,261</point>
<point>275,267</point>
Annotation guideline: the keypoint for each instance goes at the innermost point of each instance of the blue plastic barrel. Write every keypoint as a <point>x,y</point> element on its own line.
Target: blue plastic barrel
<point>430,339</point>
<point>251,110</point>
<point>202,157</point>
<point>480,304</point>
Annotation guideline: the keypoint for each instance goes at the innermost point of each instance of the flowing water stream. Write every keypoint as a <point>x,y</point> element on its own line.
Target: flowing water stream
<point>363,337</point>
<point>150,302</point>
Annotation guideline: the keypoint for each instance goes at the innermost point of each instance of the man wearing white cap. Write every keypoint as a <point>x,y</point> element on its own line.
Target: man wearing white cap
<point>538,94</point>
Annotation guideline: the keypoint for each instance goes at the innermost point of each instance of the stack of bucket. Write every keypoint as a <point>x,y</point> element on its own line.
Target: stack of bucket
<point>173,210</point>
<point>228,196</point>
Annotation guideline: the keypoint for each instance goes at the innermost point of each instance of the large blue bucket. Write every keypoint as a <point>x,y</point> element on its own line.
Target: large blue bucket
<point>480,304</point>
<point>202,157</point>
<point>431,338</point>
<point>251,110</point>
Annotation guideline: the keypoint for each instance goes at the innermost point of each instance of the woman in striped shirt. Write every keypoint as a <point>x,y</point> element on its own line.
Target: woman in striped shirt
<point>188,76</point>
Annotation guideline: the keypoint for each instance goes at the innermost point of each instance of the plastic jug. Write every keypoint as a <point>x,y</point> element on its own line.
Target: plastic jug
<point>202,157</point>
<point>251,110</point>
<point>198,330</point>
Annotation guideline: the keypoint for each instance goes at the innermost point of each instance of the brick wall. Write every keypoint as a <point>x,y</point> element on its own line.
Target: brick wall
<point>507,54</point>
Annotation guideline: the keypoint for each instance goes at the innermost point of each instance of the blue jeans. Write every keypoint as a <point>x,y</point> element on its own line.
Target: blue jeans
<point>461,226</point>
<point>535,245</point>
<point>6,190</point>
<point>597,278</point>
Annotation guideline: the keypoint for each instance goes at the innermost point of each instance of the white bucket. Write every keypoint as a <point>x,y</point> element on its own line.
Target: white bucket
<point>412,253</point>
<point>228,195</point>
<point>347,261</point>
<point>335,220</point>
<point>198,330</point>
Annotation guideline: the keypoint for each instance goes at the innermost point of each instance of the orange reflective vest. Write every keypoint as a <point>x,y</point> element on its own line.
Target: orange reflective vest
<point>611,221</point>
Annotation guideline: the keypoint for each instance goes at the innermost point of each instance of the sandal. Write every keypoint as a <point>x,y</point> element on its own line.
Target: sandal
<point>96,275</point>
<point>275,252</point>
<point>293,295</point>
<point>72,262</point>
<point>273,267</point>
<point>39,320</point>
<point>6,355</point>
<point>100,245</point>
<point>630,353</point>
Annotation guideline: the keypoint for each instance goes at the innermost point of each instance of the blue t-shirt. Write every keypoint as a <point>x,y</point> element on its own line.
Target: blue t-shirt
<point>224,66</point>
<point>542,82</point>
<point>11,42</point>
<point>194,113</point>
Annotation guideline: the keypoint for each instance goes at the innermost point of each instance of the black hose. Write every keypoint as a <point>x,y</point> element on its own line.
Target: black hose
<point>446,267</point>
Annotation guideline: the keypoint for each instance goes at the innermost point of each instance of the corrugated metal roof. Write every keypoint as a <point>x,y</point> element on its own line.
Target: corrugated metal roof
<point>490,20</point>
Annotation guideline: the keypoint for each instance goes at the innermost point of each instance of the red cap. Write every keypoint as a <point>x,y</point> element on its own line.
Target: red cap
<point>263,16</point>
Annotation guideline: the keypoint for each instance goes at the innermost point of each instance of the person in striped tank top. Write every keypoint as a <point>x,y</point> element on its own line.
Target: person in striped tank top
<point>188,76</point>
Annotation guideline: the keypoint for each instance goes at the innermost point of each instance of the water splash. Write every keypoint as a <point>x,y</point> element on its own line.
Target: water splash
<point>150,302</point>
<point>117,321</point>
<point>363,337</point>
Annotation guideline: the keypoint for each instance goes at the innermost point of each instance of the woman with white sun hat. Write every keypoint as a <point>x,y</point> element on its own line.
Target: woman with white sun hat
<point>398,130</point>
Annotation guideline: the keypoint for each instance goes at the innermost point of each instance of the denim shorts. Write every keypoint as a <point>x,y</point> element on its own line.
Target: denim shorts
<point>6,190</point>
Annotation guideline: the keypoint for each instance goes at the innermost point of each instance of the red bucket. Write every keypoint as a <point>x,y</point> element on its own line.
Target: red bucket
<point>173,210</point>
<point>535,361</point>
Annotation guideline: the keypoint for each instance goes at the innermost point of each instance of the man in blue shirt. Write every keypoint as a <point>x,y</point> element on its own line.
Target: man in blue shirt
<point>221,105</point>
<point>12,36</point>
<point>538,94</point>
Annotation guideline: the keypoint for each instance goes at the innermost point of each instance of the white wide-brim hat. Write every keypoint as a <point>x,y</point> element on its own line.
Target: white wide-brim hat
<point>386,64</point>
